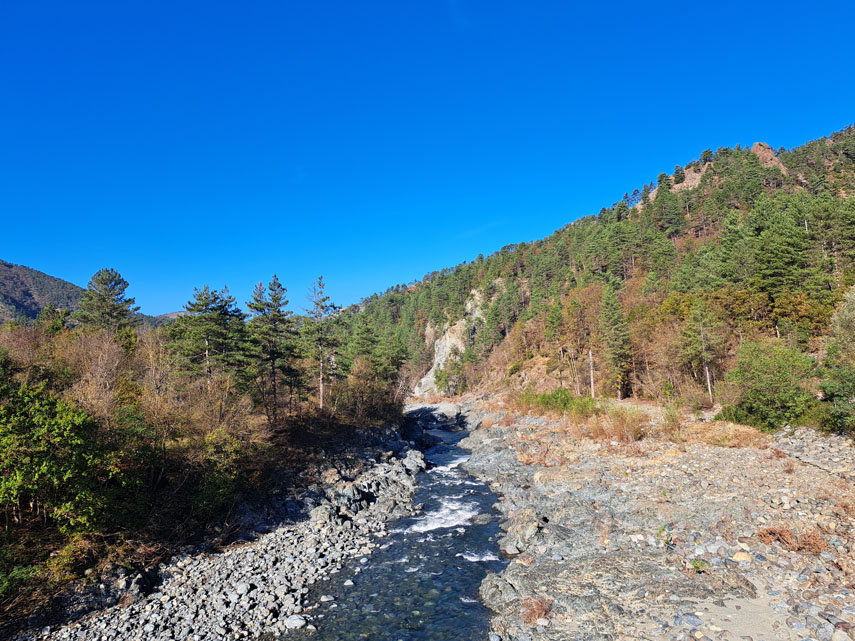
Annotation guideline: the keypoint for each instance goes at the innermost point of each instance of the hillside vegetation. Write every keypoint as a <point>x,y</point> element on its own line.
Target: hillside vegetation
<point>24,292</point>
<point>718,283</point>
<point>119,441</point>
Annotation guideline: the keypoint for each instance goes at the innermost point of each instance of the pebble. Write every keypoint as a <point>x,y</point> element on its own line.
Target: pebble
<point>295,621</point>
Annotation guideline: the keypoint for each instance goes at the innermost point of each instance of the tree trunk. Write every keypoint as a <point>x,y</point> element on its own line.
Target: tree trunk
<point>591,370</point>
<point>208,365</point>
<point>273,389</point>
<point>321,381</point>
<point>709,382</point>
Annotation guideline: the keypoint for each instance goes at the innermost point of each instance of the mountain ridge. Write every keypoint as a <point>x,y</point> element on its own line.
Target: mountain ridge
<point>25,291</point>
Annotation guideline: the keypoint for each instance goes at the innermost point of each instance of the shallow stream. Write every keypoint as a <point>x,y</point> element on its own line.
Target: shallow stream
<point>422,582</point>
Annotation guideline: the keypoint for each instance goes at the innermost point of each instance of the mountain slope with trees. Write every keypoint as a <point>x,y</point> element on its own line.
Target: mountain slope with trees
<point>24,292</point>
<point>666,294</point>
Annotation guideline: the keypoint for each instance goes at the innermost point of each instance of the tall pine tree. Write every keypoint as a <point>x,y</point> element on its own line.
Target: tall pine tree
<point>212,336</point>
<point>615,334</point>
<point>319,336</point>
<point>104,304</point>
<point>271,334</point>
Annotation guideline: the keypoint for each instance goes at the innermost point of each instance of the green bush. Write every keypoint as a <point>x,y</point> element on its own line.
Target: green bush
<point>838,388</point>
<point>49,454</point>
<point>770,382</point>
<point>13,578</point>
<point>562,400</point>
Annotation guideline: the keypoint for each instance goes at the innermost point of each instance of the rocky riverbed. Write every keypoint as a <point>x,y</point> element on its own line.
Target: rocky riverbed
<point>661,540</point>
<point>261,586</point>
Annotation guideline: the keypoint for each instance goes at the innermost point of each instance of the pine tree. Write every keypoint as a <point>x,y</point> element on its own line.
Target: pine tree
<point>673,218</point>
<point>554,333</point>
<point>838,384</point>
<point>212,335</point>
<point>319,335</point>
<point>359,340</point>
<point>104,304</point>
<point>51,319</point>
<point>615,333</point>
<point>780,255</point>
<point>271,334</point>
<point>736,252</point>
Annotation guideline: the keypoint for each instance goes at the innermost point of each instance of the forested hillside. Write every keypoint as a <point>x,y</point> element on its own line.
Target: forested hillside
<point>25,291</point>
<point>745,251</point>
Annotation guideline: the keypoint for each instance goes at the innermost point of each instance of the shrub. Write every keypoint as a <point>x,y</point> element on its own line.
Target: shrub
<point>13,578</point>
<point>626,424</point>
<point>671,422</point>
<point>49,457</point>
<point>838,388</point>
<point>769,379</point>
<point>561,400</point>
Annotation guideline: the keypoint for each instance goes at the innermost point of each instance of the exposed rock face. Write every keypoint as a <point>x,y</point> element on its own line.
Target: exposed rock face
<point>767,156</point>
<point>453,337</point>
<point>693,178</point>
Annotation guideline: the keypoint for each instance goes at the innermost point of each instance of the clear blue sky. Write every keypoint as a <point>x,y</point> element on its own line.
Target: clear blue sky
<point>193,143</point>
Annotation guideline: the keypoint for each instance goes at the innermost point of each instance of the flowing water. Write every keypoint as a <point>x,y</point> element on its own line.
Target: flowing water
<point>422,583</point>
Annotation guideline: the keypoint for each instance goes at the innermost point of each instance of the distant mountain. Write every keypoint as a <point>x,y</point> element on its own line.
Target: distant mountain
<point>25,291</point>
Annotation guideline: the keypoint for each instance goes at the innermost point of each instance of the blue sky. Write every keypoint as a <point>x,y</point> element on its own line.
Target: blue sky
<point>193,143</point>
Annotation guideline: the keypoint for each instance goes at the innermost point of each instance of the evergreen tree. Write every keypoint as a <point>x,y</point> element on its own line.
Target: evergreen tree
<point>554,333</point>
<point>615,334</point>
<point>780,255</point>
<point>52,319</point>
<point>736,251</point>
<point>673,218</point>
<point>319,335</point>
<point>212,336</point>
<point>272,334</point>
<point>104,304</point>
<point>838,384</point>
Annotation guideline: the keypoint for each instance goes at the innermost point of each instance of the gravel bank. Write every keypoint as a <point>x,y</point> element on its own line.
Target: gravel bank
<point>663,541</point>
<point>259,587</point>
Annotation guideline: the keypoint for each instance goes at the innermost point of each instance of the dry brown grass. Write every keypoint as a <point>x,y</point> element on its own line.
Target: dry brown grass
<point>725,434</point>
<point>619,423</point>
<point>534,608</point>
<point>486,424</point>
<point>789,466</point>
<point>810,542</point>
